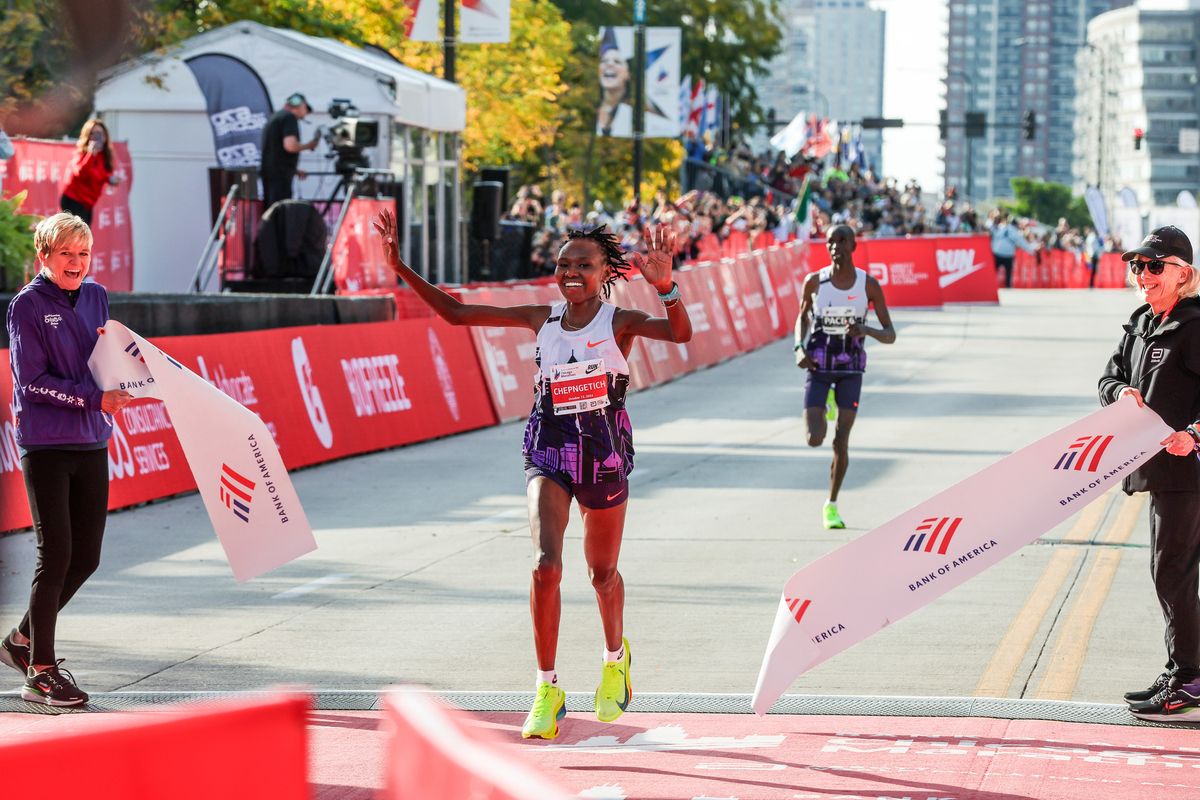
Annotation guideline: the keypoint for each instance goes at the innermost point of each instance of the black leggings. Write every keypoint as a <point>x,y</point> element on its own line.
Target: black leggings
<point>73,206</point>
<point>68,496</point>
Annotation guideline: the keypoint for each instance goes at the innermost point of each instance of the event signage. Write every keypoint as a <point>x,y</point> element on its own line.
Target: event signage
<point>855,591</point>
<point>483,21</point>
<point>238,469</point>
<point>238,107</point>
<point>614,115</point>
<point>42,168</point>
<point>966,269</point>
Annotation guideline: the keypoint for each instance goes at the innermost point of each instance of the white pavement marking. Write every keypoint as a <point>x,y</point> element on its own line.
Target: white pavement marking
<point>311,586</point>
<point>503,516</point>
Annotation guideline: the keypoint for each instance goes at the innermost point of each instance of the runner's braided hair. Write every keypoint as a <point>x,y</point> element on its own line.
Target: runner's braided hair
<point>610,248</point>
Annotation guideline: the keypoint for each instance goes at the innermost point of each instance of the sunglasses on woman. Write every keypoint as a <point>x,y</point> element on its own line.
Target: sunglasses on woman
<point>1154,267</point>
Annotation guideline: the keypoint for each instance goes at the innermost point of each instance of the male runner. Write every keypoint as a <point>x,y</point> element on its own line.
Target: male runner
<point>830,332</point>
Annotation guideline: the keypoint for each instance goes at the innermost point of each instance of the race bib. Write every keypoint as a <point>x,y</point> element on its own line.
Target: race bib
<point>836,320</point>
<point>582,386</point>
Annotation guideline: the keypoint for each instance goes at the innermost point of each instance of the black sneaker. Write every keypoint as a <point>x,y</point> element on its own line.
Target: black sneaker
<point>1145,694</point>
<point>53,686</point>
<point>15,655</point>
<point>1174,703</point>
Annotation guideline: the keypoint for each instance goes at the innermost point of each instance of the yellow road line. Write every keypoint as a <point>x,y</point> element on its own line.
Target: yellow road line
<point>1088,522</point>
<point>998,675</point>
<point>1127,518</point>
<point>1062,673</point>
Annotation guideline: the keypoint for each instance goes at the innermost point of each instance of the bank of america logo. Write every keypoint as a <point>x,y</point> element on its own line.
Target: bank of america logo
<point>798,607</point>
<point>135,352</point>
<point>933,532</point>
<point>1084,453</point>
<point>236,492</point>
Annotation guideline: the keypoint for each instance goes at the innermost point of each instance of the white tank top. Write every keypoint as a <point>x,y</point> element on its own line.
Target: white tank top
<point>834,308</point>
<point>556,345</point>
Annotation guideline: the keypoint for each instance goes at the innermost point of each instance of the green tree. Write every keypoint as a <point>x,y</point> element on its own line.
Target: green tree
<point>1047,202</point>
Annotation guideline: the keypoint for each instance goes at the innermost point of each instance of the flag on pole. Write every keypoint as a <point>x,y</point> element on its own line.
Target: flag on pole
<point>696,109</point>
<point>239,472</point>
<point>792,139</point>
<point>884,575</point>
<point>685,103</point>
<point>712,108</point>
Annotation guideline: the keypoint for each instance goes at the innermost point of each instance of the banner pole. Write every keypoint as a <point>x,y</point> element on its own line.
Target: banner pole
<point>639,96</point>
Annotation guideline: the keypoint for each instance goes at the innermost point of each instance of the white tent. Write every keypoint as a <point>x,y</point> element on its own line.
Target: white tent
<point>155,104</point>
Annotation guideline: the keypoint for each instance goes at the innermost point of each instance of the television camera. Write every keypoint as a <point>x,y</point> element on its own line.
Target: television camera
<point>348,136</point>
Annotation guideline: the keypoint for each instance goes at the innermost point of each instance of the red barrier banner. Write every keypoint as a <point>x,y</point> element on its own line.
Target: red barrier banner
<point>713,339</point>
<point>246,749</point>
<point>664,360</point>
<point>905,268</point>
<point>1112,272</point>
<point>324,392</point>
<point>506,354</point>
<point>786,266</point>
<point>357,256</point>
<point>43,167</point>
<point>761,318</point>
<point>966,269</point>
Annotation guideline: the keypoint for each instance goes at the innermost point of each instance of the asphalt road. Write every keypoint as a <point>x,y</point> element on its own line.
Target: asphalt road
<point>422,570</point>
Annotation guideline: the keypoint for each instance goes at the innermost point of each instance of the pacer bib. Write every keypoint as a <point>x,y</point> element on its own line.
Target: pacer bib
<point>581,386</point>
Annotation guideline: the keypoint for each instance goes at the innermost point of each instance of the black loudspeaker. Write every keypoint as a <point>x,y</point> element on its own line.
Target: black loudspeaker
<point>500,175</point>
<point>220,180</point>
<point>485,210</point>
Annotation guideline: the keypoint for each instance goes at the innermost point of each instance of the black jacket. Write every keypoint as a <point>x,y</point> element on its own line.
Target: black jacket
<point>1162,361</point>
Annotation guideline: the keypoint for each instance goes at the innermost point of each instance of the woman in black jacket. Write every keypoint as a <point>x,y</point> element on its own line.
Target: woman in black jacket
<point>1157,363</point>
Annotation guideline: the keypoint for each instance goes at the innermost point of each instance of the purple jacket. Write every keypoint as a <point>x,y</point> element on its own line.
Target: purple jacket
<point>56,399</point>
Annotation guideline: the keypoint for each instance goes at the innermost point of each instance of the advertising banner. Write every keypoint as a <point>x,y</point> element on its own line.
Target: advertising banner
<point>323,392</point>
<point>357,258</point>
<point>966,269</point>
<point>890,572</point>
<point>43,167</point>
<point>905,268</point>
<point>239,471</point>
<point>713,339</point>
<point>238,107</point>
<point>422,22</point>
<point>614,115</point>
<point>483,21</point>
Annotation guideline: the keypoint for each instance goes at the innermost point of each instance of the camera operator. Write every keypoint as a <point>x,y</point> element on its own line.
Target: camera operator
<point>281,149</point>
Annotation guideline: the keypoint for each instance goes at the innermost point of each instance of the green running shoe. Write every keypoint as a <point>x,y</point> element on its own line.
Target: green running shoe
<point>831,406</point>
<point>549,707</point>
<point>832,518</point>
<point>614,692</point>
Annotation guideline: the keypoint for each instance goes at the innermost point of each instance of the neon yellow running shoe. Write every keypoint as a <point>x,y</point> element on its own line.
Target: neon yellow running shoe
<point>549,707</point>
<point>615,691</point>
<point>831,517</point>
<point>831,406</point>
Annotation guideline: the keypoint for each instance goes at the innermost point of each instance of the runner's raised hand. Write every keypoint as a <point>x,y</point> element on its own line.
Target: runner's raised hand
<point>656,264</point>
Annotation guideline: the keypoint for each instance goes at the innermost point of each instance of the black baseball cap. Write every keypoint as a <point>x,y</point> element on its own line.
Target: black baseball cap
<point>295,100</point>
<point>1163,242</point>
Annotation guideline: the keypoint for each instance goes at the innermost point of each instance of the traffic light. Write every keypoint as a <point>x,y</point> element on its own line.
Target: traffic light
<point>1138,135</point>
<point>1029,126</point>
<point>943,124</point>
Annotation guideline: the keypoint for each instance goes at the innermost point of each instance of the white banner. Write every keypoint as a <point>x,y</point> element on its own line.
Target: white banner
<point>484,21</point>
<point>422,23</point>
<point>240,474</point>
<point>847,595</point>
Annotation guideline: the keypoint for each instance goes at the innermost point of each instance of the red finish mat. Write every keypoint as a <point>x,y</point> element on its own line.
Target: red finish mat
<point>742,757</point>
<point>693,756</point>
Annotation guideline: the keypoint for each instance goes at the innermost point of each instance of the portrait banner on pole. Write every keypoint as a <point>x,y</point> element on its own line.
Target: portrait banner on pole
<point>614,115</point>
<point>846,596</point>
<point>239,472</point>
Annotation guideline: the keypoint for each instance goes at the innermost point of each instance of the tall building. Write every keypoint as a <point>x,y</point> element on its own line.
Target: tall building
<point>830,64</point>
<point>1005,58</point>
<point>1145,57</point>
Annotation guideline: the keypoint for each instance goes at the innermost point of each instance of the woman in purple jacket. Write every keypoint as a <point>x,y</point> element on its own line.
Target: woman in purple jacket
<point>63,427</point>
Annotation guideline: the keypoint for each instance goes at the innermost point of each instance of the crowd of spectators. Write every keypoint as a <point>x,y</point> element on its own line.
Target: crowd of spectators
<point>770,198</point>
